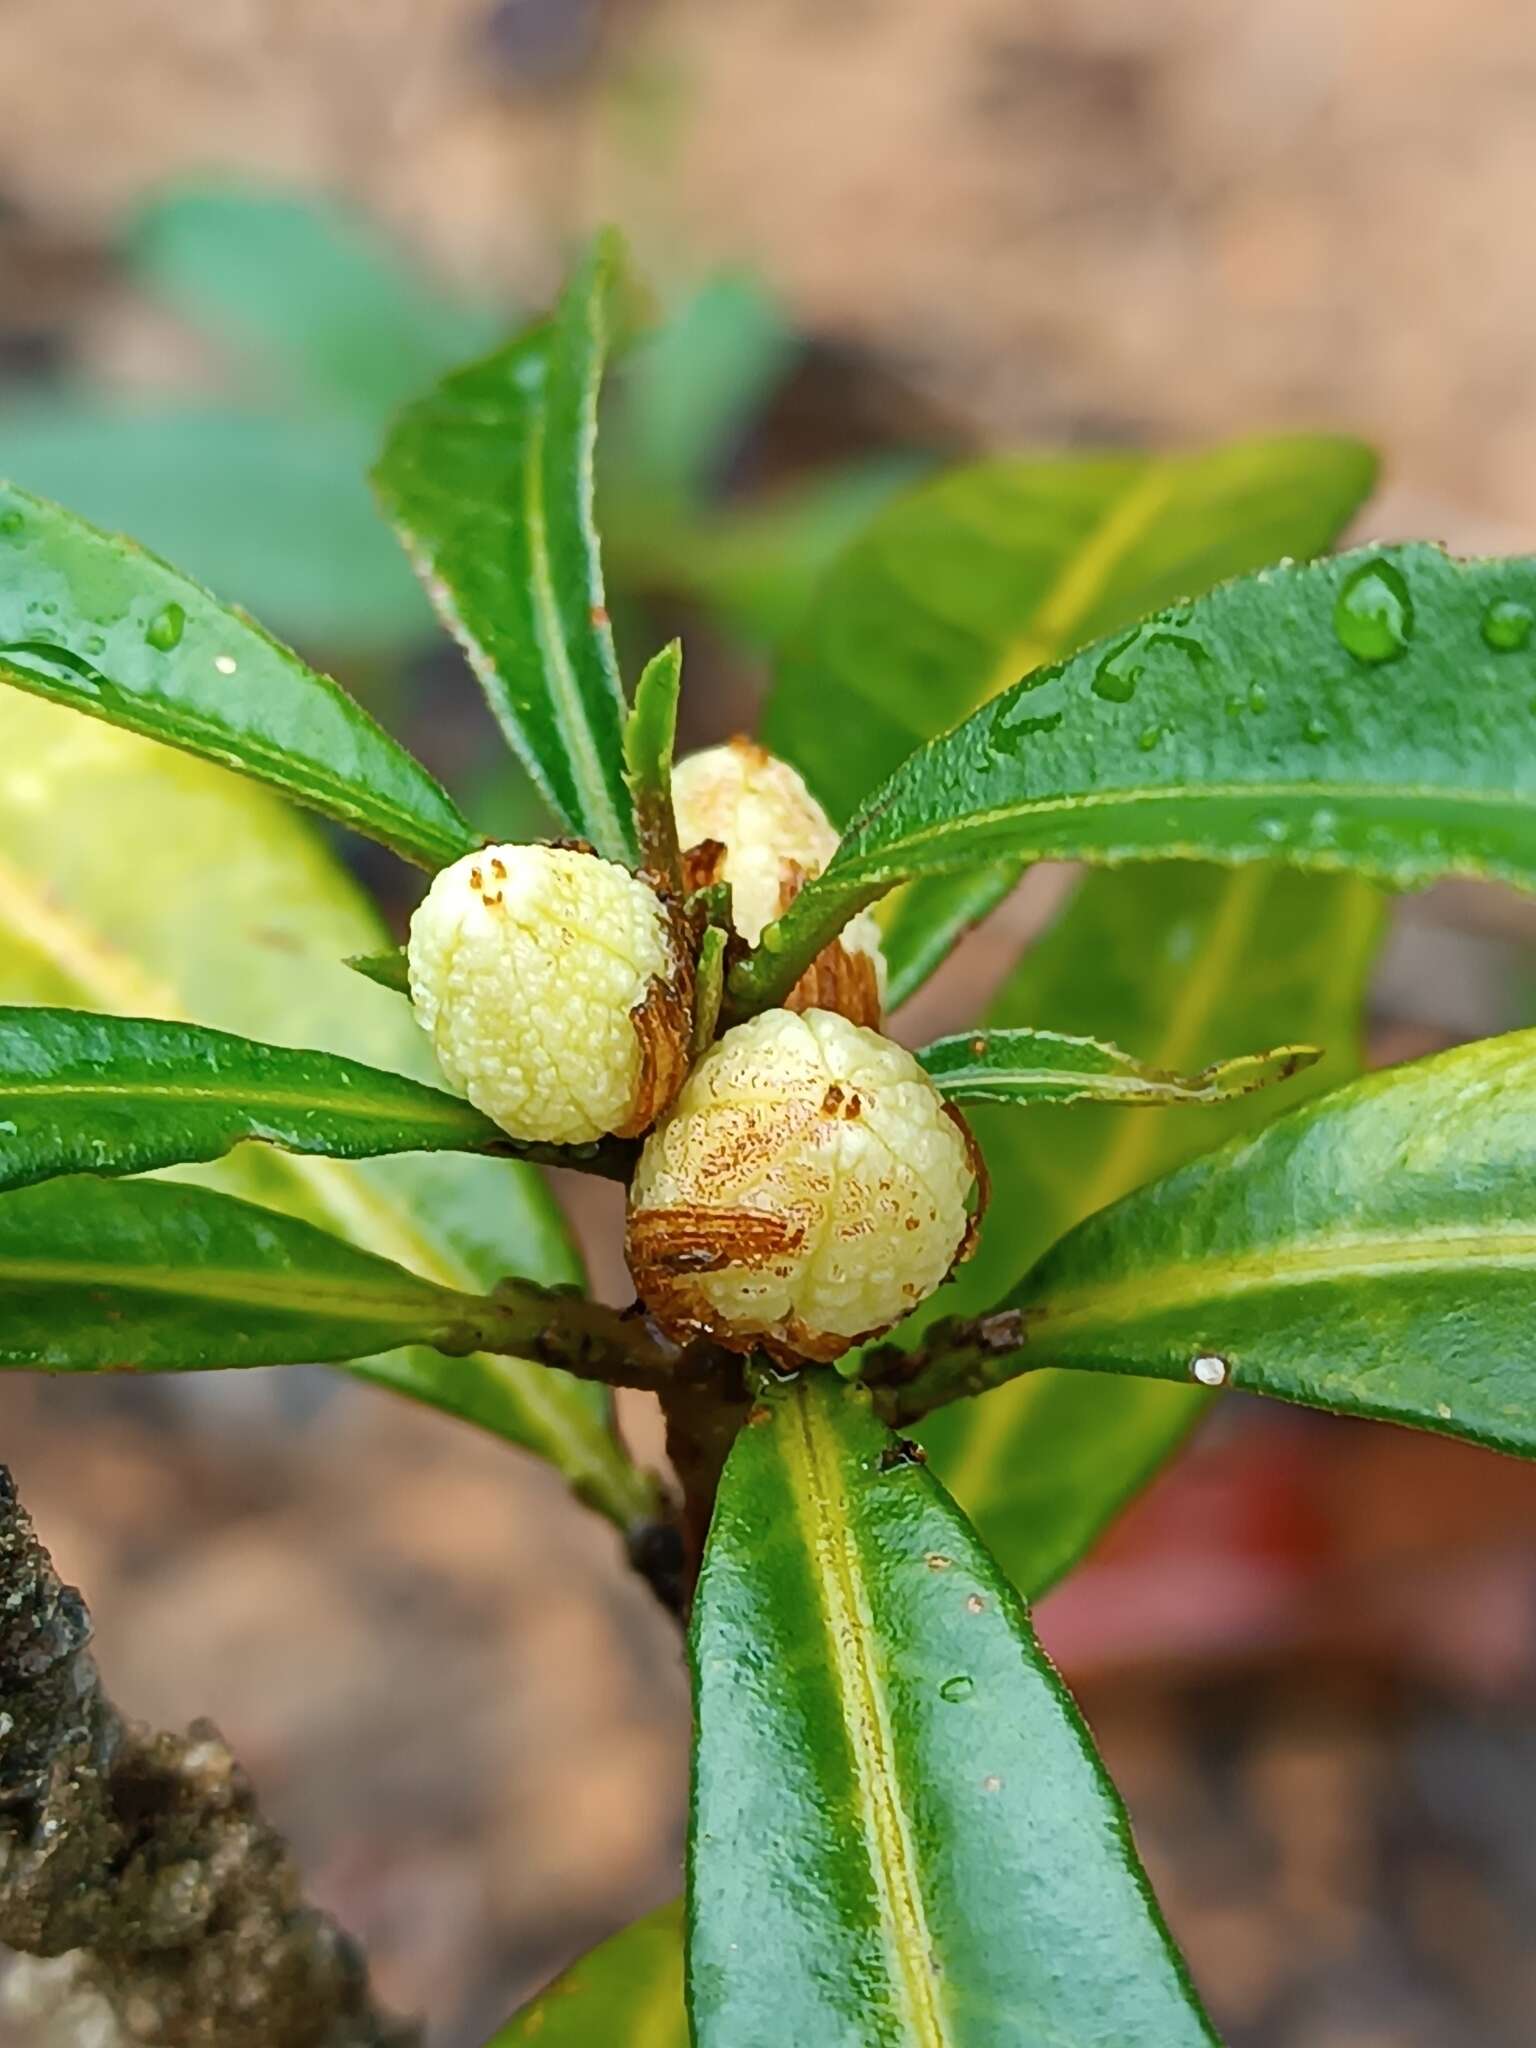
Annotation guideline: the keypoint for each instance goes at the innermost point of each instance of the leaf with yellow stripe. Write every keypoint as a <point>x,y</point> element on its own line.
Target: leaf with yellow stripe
<point>626,1993</point>
<point>1373,1254</point>
<point>966,583</point>
<point>902,1836</point>
<point>137,880</point>
<point>1181,962</point>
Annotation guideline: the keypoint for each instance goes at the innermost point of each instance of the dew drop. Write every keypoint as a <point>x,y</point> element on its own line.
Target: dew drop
<point>1117,675</point>
<point>95,643</point>
<point>226,664</point>
<point>1148,737</point>
<point>1275,830</point>
<point>165,629</point>
<point>1314,732</point>
<point>1373,614</point>
<point>960,1687</point>
<point>1209,1369</point>
<point>1507,625</point>
<point>1258,697</point>
<point>1325,823</point>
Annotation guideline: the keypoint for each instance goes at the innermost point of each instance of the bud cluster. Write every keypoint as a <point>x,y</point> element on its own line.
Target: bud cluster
<point>807,1187</point>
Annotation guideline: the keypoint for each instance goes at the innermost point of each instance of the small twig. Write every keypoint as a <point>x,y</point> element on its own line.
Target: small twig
<point>560,1327</point>
<point>145,1852</point>
<point>960,1356</point>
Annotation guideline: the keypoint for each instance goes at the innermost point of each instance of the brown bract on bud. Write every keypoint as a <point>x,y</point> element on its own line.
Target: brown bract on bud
<point>746,818</point>
<point>557,990</point>
<point>807,1190</point>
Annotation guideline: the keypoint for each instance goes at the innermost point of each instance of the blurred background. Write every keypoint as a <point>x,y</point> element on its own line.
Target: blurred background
<point>879,234</point>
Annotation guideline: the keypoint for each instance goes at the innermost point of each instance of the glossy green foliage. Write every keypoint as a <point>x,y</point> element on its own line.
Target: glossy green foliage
<point>489,480</point>
<point>968,582</point>
<point>142,1276</point>
<point>901,1833</point>
<point>971,580</point>
<point>81,1093</point>
<point>1353,714</point>
<point>1373,1253</point>
<point>1027,1067</point>
<point>92,621</point>
<point>1178,961</point>
<point>231,913</point>
<point>628,1993</point>
<point>650,740</point>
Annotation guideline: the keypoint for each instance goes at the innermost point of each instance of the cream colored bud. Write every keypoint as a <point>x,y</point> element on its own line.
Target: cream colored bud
<point>549,983</point>
<point>807,1190</point>
<point>758,827</point>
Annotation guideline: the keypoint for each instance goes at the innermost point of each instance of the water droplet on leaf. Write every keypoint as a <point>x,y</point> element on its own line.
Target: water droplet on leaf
<point>1258,697</point>
<point>165,629</point>
<point>1275,830</point>
<point>960,1687</point>
<point>1507,625</point>
<point>1373,614</point>
<point>1209,1369</point>
<point>226,664</point>
<point>1117,675</point>
<point>1148,737</point>
<point>1315,731</point>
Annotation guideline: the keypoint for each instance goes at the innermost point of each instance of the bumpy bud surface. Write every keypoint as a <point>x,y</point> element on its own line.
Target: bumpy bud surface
<point>548,981</point>
<point>808,1189</point>
<point>748,819</point>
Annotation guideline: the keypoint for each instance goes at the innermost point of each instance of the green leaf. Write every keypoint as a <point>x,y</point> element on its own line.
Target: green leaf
<point>972,579</point>
<point>141,1275</point>
<point>901,1832</point>
<point>628,1993</point>
<point>489,482</point>
<point>387,968</point>
<point>88,1094</point>
<point>650,740</point>
<point>233,913</point>
<point>1177,960</point>
<point>92,621</point>
<point>690,387</point>
<point>1350,715</point>
<point>314,290</point>
<point>921,925</point>
<point>272,508</point>
<point>1373,1254</point>
<point>1032,1067</point>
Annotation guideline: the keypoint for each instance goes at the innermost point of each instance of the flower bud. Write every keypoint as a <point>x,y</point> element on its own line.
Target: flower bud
<point>553,990</point>
<point>746,818</point>
<point>808,1189</point>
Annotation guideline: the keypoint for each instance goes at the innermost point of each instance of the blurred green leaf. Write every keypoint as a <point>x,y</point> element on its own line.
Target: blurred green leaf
<point>1358,714</point>
<point>273,510</point>
<point>315,292</point>
<point>901,1831</point>
<point>995,568</point>
<point>489,482</point>
<point>1373,1253</point>
<point>231,911</point>
<point>1178,961</point>
<point>92,621</point>
<point>689,388</point>
<point>1030,1067</point>
<point>628,1993</point>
